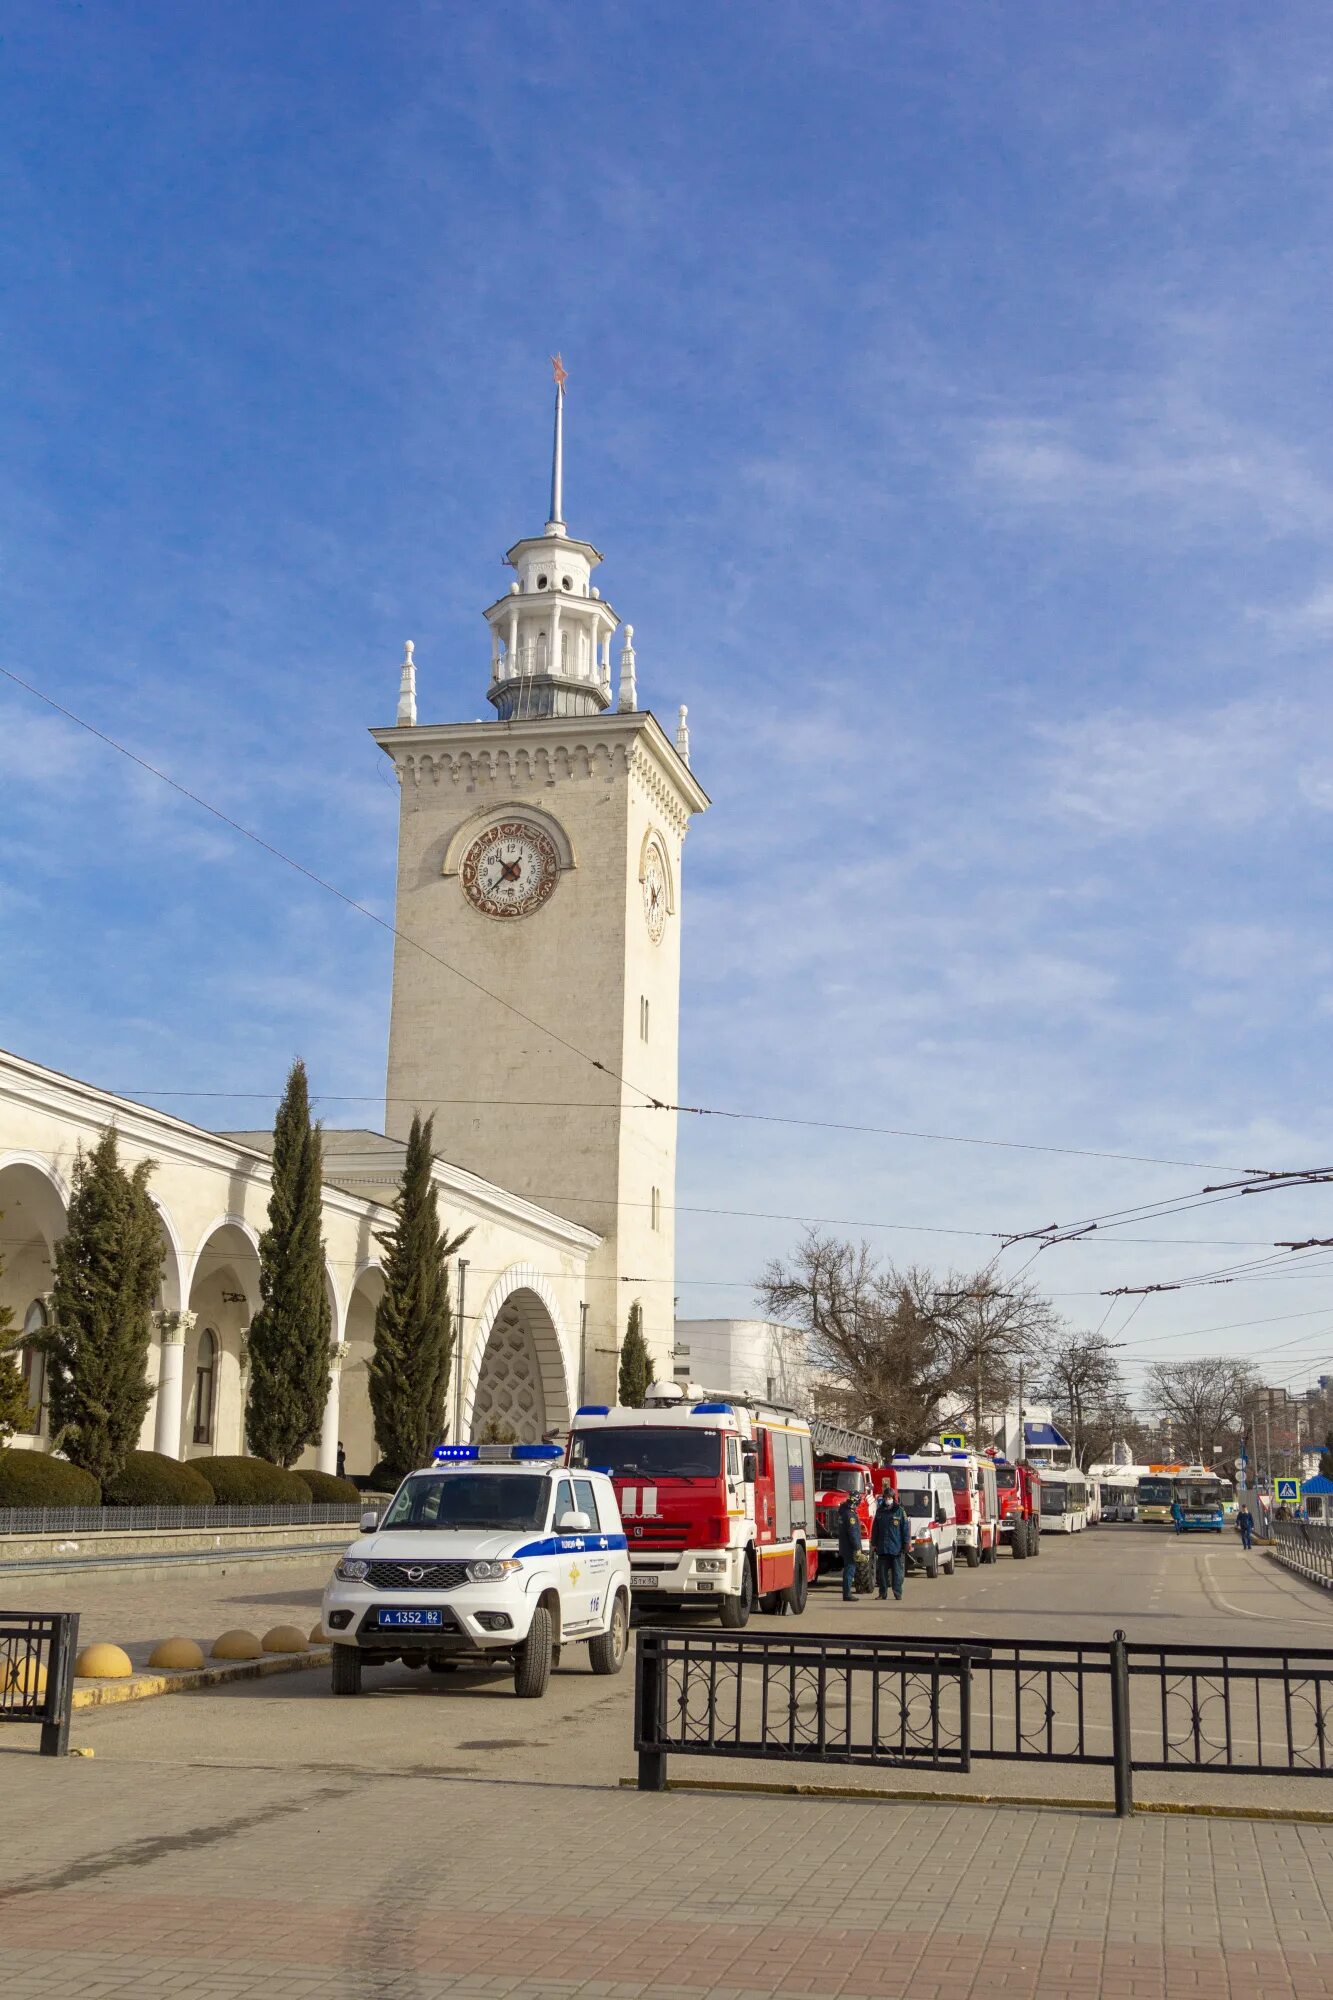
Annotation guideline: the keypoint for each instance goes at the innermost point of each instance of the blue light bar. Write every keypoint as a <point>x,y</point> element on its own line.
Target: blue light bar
<point>593,1410</point>
<point>453,1451</point>
<point>526,1451</point>
<point>713,1410</point>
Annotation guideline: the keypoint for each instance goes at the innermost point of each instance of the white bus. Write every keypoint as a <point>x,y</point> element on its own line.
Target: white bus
<point>1064,1500</point>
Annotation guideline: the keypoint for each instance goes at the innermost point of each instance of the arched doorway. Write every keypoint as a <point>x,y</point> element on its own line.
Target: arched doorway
<point>33,1218</point>
<point>203,1348</point>
<point>518,1373</point>
<point>356,1426</point>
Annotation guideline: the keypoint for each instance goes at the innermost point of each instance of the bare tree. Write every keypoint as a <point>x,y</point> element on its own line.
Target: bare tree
<point>1202,1401</point>
<point>1080,1378</point>
<point>904,1351</point>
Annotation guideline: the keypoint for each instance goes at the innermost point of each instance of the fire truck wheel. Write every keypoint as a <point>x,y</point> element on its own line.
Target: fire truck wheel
<point>1035,1534</point>
<point>973,1554</point>
<point>989,1553</point>
<point>735,1611</point>
<point>606,1653</point>
<point>532,1663</point>
<point>1020,1542</point>
<point>798,1590</point>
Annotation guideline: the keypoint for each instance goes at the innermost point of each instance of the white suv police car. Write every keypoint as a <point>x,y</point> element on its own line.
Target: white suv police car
<point>491,1553</point>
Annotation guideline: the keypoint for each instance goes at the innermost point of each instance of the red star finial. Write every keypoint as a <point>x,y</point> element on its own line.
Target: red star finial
<point>559,370</point>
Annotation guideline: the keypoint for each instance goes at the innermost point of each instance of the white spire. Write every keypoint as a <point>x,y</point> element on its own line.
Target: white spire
<point>407,689</point>
<point>556,524</point>
<point>629,694</point>
<point>683,735</point>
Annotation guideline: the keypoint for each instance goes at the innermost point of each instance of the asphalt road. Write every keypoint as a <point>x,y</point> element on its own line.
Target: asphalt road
<point>1157,1587</point>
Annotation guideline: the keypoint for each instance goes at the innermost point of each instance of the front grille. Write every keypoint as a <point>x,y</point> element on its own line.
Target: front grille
<point>657,1535</point>
<point>416,1576</point>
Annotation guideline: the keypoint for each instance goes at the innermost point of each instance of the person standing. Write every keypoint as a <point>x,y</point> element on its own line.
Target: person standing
<point>890,1538</point>
<point>1178,1516</point>
<point>849,1546</point>
<point>1245,1522</point>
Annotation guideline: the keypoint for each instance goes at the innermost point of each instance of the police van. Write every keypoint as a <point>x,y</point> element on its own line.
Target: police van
<point>492,1554</point>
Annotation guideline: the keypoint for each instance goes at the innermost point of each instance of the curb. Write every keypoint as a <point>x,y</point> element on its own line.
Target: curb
<point>143,1686</point>
<point>877,1796</point>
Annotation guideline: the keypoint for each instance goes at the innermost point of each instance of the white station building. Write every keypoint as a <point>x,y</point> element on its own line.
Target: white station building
<point>540,855</point>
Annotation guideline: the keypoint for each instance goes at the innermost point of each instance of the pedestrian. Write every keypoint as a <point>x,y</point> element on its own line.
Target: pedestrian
<point>1245,1522</point>
<point>1178,1516</point>
<point>849,1546</point>
<point>342,1461</point>
<point>890,1538</point>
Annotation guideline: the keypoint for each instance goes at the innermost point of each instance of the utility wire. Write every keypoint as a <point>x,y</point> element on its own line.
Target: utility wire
<point>606,1069</point>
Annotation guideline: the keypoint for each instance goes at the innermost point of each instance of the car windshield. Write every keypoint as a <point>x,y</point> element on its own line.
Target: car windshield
<point>636,1453</point>
<point>1006,1478</point>
<point>845,1479</point>
<point>514,1500</point>
<point>957,1477</point>
<point>916,1500</point>
<point>1198,1497</point>
<point>1052,1499</point>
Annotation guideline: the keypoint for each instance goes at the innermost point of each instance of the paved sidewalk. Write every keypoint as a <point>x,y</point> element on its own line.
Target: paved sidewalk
<point>210,1881</point>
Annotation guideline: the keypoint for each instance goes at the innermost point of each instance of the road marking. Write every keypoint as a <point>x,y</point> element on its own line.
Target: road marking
<point>1239,1611</point>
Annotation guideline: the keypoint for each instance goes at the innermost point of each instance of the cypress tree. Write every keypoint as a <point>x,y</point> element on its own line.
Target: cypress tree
<point>108,1266</point>
<point>414,1327</point>
<point>289,1335</point>
<point>636,1364</point>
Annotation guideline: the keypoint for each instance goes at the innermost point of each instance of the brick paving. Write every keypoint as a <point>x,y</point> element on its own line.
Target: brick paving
<point>216,1882</point>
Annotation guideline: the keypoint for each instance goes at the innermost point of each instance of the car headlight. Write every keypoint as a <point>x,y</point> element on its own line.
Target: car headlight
<point>352,1569</point>
<point>492,1572</point>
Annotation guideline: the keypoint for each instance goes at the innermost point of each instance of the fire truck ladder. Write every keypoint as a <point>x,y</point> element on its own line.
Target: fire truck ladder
<point>833,1441</point>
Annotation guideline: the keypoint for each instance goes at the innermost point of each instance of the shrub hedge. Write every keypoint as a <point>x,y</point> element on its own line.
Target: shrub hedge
<point>252,1482</point>
<point>35,1479</point>
<point>151,1479</point>
<point>327,1490</point>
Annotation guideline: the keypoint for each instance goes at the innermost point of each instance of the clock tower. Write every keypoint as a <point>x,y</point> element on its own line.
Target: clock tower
<point>536,981</point>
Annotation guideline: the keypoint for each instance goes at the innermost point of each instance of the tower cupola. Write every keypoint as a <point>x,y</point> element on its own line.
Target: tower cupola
<point>551,633</point>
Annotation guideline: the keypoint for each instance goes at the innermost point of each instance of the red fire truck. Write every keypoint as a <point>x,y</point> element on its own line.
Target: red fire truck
<point>845,1462</point>
<point>1018,1489</point>
<point>717,1494</point>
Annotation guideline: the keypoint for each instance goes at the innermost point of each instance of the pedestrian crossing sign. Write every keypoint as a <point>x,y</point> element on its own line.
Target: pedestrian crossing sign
<point>953,1440</point>
<point>1287,1492</point>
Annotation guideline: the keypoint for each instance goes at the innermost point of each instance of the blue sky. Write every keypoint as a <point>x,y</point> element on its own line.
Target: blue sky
<point>949,392</point>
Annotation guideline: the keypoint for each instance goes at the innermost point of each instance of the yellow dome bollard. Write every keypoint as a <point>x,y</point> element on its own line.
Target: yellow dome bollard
<point>318,1636</point>
<point>284,1639</point>
<point>236,1645</point>
<point>103,1663</point>
<point>178,1655</point>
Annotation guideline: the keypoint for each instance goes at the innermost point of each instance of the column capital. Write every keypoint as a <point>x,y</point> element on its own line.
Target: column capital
<point>337,1355</point>
<point>173,1327</point>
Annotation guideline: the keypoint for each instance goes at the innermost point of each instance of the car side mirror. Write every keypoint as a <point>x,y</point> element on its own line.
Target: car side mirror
<point>749,1462</point>
<point>573,1524</point>
<point>370,1520</point>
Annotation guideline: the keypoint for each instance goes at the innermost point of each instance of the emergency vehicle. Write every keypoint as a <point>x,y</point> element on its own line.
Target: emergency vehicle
<point>975,1497</point>
<point>846,1462</point>
<point>927,1500</point>
<point>717,1497</point>
<point>490,1554</point>
<point>1018,1488</point>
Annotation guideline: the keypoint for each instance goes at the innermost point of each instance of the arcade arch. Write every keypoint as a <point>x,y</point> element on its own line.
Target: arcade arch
<point>519,1373</point>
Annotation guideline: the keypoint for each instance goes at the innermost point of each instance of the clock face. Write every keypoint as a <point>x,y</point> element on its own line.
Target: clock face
<point>654,894</point>
<point>510,869</point>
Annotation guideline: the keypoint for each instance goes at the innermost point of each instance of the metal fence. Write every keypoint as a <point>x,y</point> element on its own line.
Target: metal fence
<point>940,1704</point>
<point>37,1651</point>
<point>128,1520</point>
<point>1307,1547</point>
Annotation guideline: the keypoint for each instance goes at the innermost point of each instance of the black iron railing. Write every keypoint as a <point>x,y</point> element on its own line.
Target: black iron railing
<point>1307,1547</point>
<point>929,1703</point>
<point>37,1650</point>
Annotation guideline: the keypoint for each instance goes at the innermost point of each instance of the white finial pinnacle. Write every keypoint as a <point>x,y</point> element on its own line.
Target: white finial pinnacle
<point>629,694</point>
<point>683,735</point>
<point>557,520</point>
<point>407,689</point>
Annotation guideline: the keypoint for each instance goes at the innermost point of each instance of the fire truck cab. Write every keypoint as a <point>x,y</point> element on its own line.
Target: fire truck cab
<point>717,1494</point>
<point>846,1462</point>
<point>1018,1488</point>
<point>975,1498</point>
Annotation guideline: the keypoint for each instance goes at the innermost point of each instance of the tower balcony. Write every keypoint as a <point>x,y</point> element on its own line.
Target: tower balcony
<point>523,686</point>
